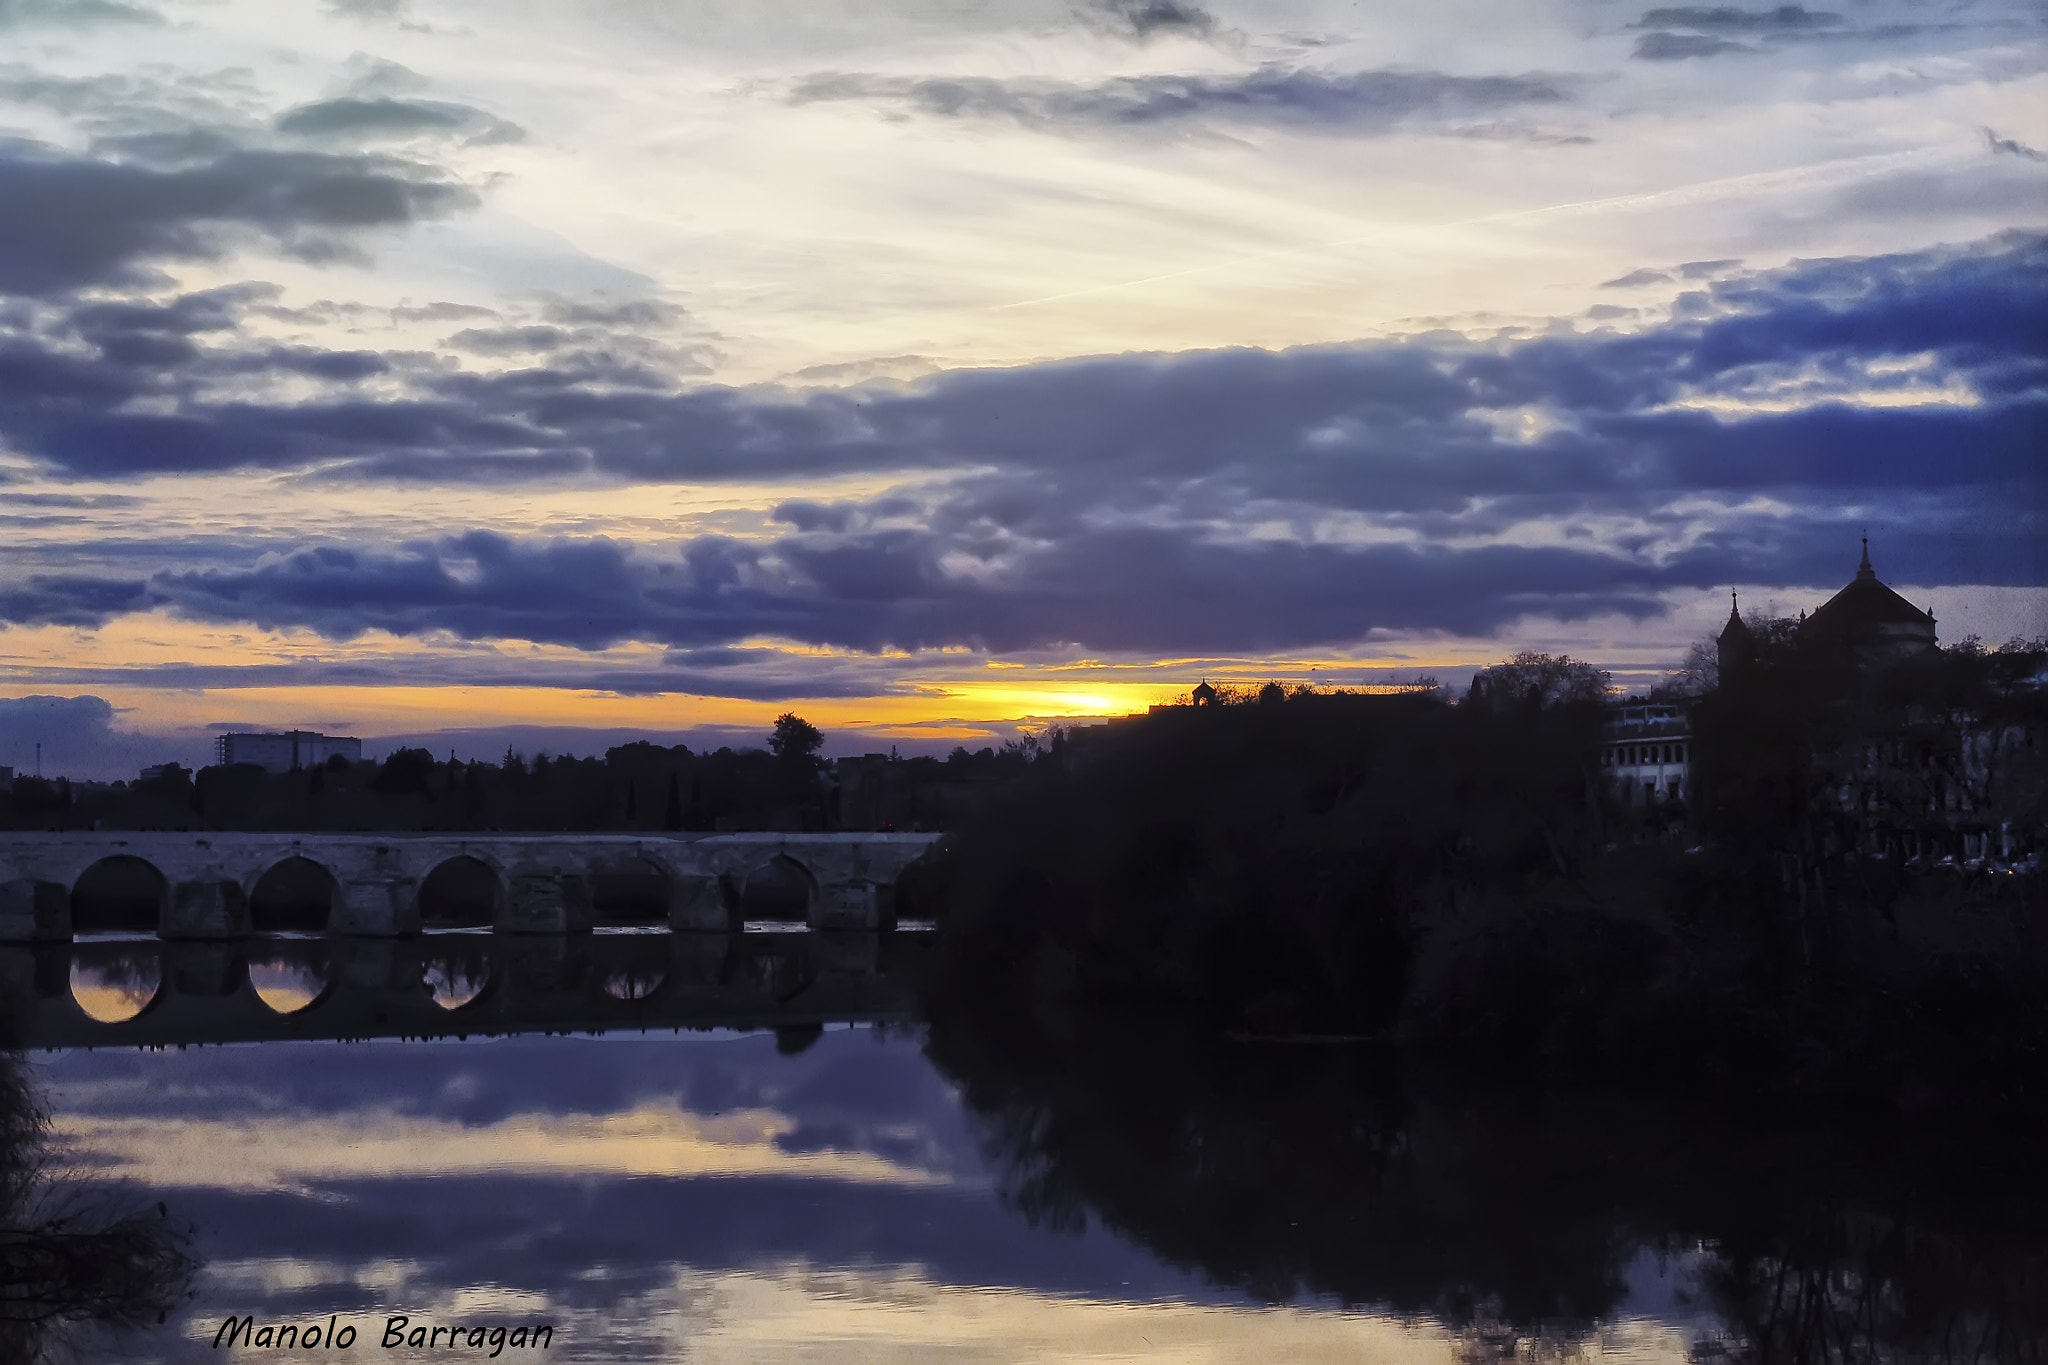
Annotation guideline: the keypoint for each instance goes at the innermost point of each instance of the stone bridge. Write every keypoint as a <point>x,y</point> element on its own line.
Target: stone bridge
<point>152,993</point>
<point>224,885</point>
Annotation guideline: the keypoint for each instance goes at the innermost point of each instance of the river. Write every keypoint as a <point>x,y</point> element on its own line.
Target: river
<point>905,1191</point>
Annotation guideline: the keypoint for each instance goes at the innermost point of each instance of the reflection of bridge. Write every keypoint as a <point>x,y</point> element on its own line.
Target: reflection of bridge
<point>129,993</point>
<point>223,885</point>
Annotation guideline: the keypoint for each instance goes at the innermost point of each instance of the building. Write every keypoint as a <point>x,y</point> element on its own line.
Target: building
<point>1646,752</point>
<point>6,778</point>
<point>156,771</point>
<point>283,753</point>
<point>1869,620</point>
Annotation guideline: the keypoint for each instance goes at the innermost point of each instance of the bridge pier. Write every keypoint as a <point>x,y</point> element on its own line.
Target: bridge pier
<point>546,901</point>
<point>697,905</point>
<point>376,908</point>
<point>211,905</point>
<point>853,904</point>
<point>34,912</point>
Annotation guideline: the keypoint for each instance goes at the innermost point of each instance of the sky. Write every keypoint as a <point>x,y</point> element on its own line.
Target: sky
<point>560,373</point>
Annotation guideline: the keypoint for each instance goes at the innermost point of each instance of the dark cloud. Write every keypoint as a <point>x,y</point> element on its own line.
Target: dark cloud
<point>1397,480</point>
<point>2005,146</point>
<point>1730,19</point>
<point>1146,19</point>
<point>1672,47</point>
<point>508,340</point>
<point>79,737</point>
<point>1706,270</point>
<point>1638,277</point>
<point>2003,189</point>
<point>67,222</point>
<point>368,120</point>
<point>73,13</point>
<point>366,9</point>
<point>70,600</point>
<point>1357,102</point>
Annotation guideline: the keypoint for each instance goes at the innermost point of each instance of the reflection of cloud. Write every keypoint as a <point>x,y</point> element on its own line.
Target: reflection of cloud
<point>807,1314</point>
<point>798,1312</point>
<point>286,1152</point>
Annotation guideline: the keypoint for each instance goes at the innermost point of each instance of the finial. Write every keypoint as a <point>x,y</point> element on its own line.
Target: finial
<point>1863,570</point>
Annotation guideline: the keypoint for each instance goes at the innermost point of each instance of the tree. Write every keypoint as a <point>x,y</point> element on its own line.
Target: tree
<point>405,771</point>
<point>1697,674</point>
<point>796,741</point>
<point>1539,682</point>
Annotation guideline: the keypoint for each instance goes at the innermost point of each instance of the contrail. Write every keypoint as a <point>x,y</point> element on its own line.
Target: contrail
<point>1719,188</point>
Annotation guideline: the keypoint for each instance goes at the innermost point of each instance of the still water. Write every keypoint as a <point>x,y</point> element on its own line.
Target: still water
<point>900,1191</point>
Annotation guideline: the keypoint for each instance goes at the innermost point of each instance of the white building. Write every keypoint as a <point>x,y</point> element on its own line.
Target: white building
<point>1646,752</point>
<point>287,752</point>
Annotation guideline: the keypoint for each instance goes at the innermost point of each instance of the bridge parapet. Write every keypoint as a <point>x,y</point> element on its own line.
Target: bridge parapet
<point>207,886</point>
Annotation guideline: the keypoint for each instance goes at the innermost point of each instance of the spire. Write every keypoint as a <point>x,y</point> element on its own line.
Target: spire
<point>1864,570</point>
<point>1734,625</point>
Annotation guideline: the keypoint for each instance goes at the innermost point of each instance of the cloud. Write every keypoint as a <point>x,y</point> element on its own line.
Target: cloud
<point>74,13</point>
<point>70,600</point>
<point>1356,102</point>
<point>366,9</point>
<point>1638,277</point>
<point>67,222</point>
<point>78,737</point>
<point>1672,47</point>
<point>1730,19</point>
<point>1239,500</point>
<point>1143,20</point>
<point>356,120</point>
<point>2005,146</point>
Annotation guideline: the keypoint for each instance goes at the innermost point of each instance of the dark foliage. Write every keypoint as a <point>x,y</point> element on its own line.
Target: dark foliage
<point>1460,880</point>
<point>1269,864</point>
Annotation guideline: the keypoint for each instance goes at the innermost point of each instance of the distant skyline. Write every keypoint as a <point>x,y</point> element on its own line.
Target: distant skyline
<point>396,367</point>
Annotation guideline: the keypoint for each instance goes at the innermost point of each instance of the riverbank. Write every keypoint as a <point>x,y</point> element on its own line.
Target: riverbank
<point>1450,882</point>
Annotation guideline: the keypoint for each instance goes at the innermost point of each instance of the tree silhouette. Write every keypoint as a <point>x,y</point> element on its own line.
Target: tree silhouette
<point>796,741</point>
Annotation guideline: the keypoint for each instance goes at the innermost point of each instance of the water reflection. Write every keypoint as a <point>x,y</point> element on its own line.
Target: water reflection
<point>1006,1190</point>
<point>82,1262</point>
<point>115,981</point>
<point>1323,1173</point>
<point>180,993</point>
<point>289,976</point>
<point>456,975</point>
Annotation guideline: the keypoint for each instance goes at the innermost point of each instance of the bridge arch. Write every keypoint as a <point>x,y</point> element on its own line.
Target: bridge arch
<point>781,890</point>
<point>294,895</point>
<point>462,892</point>
<point>636,891</point>
<point>120,893</point>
